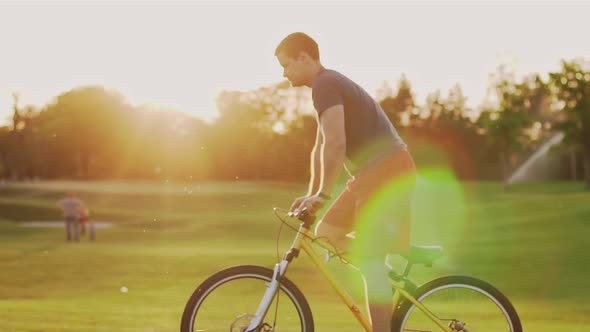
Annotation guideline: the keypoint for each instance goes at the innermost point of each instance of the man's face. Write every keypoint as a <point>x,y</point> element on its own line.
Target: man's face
<point>294,70</point>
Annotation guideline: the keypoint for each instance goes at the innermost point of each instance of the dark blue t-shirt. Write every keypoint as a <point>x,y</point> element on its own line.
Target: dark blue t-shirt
<point>370,137</point>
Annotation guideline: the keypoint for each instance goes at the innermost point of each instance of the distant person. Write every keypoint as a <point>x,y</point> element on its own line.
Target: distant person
<point>73,211</point>
<point>87,223</point>
<point>83,220</point>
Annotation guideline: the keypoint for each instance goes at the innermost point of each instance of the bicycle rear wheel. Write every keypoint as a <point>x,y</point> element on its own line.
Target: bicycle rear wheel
<point>228,300</point>
<point>461,303</point>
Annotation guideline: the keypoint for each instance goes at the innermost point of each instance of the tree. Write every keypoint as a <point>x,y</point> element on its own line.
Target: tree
<point>259,132</point>
<point>5,146</point>
<point>18,153</point>
<point>572,88</point>
<point>400,107</point>
<point>83,132</point>
<point>508,125</point>
<point>444,134</point>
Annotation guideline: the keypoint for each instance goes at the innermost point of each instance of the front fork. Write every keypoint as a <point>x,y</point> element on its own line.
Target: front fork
<point>279,271</point>
<point>271,291</point>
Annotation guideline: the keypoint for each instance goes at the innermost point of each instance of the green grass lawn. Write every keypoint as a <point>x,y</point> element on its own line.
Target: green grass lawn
<point>530,242</point>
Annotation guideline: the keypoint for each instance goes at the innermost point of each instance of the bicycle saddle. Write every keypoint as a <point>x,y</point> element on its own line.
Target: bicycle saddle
<point>423,254</point>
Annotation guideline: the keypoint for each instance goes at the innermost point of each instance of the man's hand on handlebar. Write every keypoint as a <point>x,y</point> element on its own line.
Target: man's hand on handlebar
<point>297,203</point>
<point>309,203</point>
<point>303,215</point>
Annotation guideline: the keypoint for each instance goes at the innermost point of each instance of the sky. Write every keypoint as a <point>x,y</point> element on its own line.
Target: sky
<point>181,54</point>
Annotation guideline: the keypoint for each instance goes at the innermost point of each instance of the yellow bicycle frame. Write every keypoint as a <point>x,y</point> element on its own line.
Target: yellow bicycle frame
<point>303,241</point>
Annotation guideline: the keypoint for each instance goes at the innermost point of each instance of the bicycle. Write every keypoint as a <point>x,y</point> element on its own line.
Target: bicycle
<point>450,303</point>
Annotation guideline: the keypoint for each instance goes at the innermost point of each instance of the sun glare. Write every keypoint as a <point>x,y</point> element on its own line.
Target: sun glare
<point>183,55</point>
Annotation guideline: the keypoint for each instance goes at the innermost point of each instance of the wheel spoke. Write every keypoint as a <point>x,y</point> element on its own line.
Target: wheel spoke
<point>461,303</point>
<point>229,301</point>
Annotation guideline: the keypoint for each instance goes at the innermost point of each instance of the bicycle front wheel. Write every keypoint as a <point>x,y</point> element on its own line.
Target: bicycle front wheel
<point>460,303</point>
<point>228,300</point>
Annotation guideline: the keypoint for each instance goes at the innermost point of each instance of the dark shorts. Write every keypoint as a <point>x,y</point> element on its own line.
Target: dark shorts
<point>377,206</point>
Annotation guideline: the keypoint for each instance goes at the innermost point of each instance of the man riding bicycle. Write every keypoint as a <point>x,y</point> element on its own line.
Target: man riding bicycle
<point>354,134</point>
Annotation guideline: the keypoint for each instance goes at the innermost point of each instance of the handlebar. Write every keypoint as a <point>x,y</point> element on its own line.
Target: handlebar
<point>304,216</point>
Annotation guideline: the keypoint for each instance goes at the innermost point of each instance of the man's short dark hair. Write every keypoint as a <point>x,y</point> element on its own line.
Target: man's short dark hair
<point>298,42</point>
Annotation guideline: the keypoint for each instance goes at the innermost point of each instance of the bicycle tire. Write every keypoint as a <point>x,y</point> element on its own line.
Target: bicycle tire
<point>402,318</point>
<point>250,273</point>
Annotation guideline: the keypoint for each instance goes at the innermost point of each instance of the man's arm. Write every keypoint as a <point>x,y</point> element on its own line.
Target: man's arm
<point>333,149</point>
<point>316,163</point>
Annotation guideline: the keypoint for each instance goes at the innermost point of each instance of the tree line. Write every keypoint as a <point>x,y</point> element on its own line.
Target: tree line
<point>92,132</point>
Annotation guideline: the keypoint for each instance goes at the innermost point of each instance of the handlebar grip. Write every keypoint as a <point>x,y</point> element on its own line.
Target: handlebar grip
<point>307,218</point>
